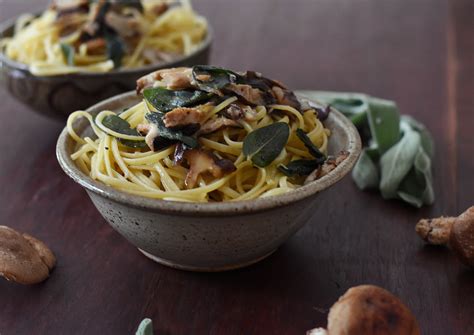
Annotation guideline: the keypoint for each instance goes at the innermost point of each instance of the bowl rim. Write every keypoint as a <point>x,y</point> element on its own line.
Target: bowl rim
<point>9,24</point>
<point>353,146</point>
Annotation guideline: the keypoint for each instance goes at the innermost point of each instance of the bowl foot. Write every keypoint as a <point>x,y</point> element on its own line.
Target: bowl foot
<point>204,269</point>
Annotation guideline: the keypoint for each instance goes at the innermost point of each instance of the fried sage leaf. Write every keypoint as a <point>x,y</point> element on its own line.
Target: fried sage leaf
<point>165,100</point>
<point>304,167</point>
<point>167,136</point>
<point>115,49</point>
<point>215,77</point>
<point>313,150</point>
<point>265,144</point>
<point>68,53</point>
<point>300,167</point>
<point>121,126</point>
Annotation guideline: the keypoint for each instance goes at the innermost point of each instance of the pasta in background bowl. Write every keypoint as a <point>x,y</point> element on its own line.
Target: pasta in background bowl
<point>61,61</point>
<point>236,226</point>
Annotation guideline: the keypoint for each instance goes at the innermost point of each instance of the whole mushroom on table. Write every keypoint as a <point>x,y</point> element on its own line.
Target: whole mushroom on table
<point>369,310</point>
<point>23,258</point>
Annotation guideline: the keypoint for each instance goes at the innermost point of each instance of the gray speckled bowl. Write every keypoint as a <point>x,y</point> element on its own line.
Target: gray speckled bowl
<point>58,96</point>
<point>208,236</point>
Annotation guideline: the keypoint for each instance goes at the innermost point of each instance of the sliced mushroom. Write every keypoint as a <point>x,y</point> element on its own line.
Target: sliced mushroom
<point>250,95</point>
<point>286,97</point>
<point>183,116</point>
<point>23,258</point>
<point>96,46</point>
<point>256,79</point>
<point>150,130</point>
<point>201,161</point>
<point>160,8</point>
<point>125,26</point>
<point>216,124</point>
<point>238,112</point>
<point>173,79</point>
<point>330,164</point>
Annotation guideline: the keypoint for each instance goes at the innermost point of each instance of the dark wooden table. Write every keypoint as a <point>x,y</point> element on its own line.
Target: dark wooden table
<point>417,52</point>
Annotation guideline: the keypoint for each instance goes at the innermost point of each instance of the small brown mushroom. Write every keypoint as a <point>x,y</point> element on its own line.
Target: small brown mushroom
<point>369,310</point>
<point>455,232</point>
<point>23,258</point>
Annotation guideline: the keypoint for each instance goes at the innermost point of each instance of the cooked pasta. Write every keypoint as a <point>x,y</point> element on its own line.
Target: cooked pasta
<point>103,35</point>
<point>166,166</point>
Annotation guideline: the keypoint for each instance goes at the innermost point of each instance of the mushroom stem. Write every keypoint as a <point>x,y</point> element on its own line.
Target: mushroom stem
<point>435,231</point>
<point>455,232</point>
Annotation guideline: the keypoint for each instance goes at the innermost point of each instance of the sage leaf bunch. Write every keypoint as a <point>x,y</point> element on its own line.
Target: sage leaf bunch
<point>145,327</point>
<point>398,150</point>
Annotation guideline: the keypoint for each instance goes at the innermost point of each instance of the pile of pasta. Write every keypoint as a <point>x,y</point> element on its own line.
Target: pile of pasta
<point>53,44</point>
<point>106,155</point>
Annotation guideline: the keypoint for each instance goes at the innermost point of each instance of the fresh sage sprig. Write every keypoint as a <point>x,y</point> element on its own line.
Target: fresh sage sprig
<point>121,126</point>
<point>398,149</point>
<point>145,327</point>
<point>263,145</point>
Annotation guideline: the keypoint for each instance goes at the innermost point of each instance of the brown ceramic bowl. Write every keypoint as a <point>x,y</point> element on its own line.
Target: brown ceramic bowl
<point>58,96</point>
<point>209,236</point>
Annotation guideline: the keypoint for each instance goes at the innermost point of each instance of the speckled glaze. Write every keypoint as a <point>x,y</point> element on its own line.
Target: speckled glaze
<point>208,236</point>
<point>59,96</point>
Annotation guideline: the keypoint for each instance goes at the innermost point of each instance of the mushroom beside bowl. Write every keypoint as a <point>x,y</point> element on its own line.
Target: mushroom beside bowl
<point>215,236</point>
<point>60,95</point>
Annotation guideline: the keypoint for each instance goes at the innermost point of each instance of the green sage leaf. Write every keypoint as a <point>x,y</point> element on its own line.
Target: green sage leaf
<point>164,100</point>
<point>68,53</point>
<point>263,145</point>
<point>300,167</point>
<point>218,77</point>
<point>417,187</point>
<point>397,162</point>
<point>121,126</point>
<point>384,122</point>
<point>168,136</point>
<point>426,139</point>
<point>115,49</point>
<point>365,172</point>
<point>313,149</point>
<point>145,327</point>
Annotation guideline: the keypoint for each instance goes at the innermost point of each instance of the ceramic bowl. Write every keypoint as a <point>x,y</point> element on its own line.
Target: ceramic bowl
<point>208,236</point>
<point>58,96</point>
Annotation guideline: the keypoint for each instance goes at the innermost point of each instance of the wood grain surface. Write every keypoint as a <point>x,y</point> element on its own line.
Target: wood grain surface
<point>417,52</point>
